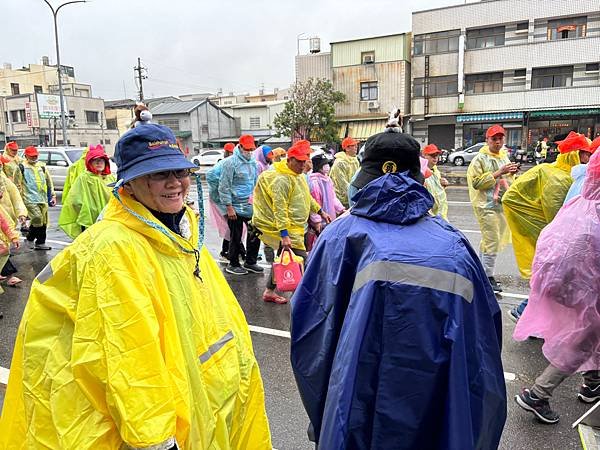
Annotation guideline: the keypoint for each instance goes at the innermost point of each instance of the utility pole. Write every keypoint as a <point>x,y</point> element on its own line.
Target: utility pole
<point>139,70</point>
<point>102,127</point>
<point>63,118</point>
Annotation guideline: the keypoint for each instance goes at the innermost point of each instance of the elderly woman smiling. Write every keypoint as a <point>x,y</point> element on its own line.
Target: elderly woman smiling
<point>131,337</point>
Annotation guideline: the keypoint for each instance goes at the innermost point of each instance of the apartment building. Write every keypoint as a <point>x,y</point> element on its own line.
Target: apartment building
<point>532,66</point>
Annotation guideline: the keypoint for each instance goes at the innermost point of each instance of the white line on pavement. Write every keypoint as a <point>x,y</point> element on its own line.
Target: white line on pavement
<point>508,294</point>
<point>4,375</point>
<point>458,203</point>
<point>470,231</point>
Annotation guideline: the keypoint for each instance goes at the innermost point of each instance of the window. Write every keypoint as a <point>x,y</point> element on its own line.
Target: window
<point>368,91</point>
<point>173,124</point>
<point>17,116</point>
<point>523,26</point>
<point>14,88</point>
<point>57,159</point>
<point>91,117</point>
<point>487,37</point>
<point>520,73</point>
<point>107,141</point>
<point>111,124</point>
<point>37,89</point>
<point>569,28</point>
<point>592,67</point>
<point>438,86</point>
<point>484,82</point>
<point>72,113</point>
<point>433,43</point>
<point>85,144</point>
<point>205,129</point>
<point>254,122</point>
<point>550,77</point>
<point>367,57</point>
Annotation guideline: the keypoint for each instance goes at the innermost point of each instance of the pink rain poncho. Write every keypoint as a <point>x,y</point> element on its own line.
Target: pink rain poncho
<point>322,190</point>
<point>564,304</point>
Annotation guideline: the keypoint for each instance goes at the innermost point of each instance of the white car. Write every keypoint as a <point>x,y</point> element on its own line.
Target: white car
<point>208,157</point>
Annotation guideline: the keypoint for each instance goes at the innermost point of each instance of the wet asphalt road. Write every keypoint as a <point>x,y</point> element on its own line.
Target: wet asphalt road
<point>523,361</point>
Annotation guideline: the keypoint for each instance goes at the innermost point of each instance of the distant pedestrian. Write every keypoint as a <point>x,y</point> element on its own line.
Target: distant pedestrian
<point>344,168</point>
<point>217,210</point>
<point>238,178</point>
<point>89,194</point>
<point>282,206</point>
<point>564,302</point>
<point>436,184</point>
<point>536,197</point>
<point>37,190</point>
<point>489,176</point>
<point>396,335</point>
<point>9,236</point>
<point>73,172</point>
<point>278,154</point>
<point>264,157</point>
<point>12,161</point>
<point>578,173</point>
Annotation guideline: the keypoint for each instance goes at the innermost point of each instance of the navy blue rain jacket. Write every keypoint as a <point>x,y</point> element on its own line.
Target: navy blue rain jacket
<point>396,332</point>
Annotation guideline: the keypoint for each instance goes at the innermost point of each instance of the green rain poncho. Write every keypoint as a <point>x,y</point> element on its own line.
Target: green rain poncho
<point>73,173</point>
<point>87,198</point>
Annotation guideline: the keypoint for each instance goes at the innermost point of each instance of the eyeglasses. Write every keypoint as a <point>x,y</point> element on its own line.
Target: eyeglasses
<point>162,176</point>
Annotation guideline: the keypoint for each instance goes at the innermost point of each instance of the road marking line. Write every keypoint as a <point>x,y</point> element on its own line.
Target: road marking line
<point>458,203</point>
<point>269,331</point>
<point>470,231</point>
<point>508,294</point>
<point>4,375</point>
<point>52,241</point>
<point>508,376</point>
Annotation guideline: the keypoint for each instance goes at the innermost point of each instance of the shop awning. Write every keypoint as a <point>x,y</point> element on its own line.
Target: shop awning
<point>497,117</point>
<point>361,129</point>
<point>183,134</point>
<point>566,112</point>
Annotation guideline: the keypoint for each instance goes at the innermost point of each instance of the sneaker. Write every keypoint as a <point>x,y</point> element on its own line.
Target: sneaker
<point>514,314</point>
<point>541,408</point>
<point>589,395</point>
<point>495,285</point>
<point>223,257</point>
<point>42,247</point>
<point>236,270</point>
<point>255,268</point>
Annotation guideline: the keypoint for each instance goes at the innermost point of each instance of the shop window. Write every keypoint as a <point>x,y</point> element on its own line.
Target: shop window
<point>434,43</point>
<point>568,28</point>
<point>368,91</point>
<point>483,83</point>
<point>486,37</point>
<point>552,77</point>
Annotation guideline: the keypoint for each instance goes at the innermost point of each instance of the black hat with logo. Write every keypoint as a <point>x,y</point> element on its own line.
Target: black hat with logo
<point>389,152</point>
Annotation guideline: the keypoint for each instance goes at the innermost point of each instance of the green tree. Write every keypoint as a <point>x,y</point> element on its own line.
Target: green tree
<point>310,114</point>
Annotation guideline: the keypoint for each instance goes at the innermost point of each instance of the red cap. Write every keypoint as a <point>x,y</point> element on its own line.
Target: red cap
<point>229,147</point>
<point>595,145</point>
<point>300,151</point>
<point>431,149</point>
<point>12,145</point>
<point>347,142</point>
<point>31,151</point>
<point>247,142</point>
<point>494,130</point>
<point>574,141</point>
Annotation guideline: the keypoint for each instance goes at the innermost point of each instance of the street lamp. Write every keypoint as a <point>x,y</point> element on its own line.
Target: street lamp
<point>60,89</point>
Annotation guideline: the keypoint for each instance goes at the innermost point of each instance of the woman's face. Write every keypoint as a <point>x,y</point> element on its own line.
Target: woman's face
<point>163,192</point>
<point>98,164</point>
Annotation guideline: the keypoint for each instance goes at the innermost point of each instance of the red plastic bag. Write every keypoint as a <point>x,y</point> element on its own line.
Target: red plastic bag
<point>287,271</point>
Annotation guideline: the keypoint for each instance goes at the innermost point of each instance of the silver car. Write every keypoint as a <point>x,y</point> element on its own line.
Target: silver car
<point>461,157</point>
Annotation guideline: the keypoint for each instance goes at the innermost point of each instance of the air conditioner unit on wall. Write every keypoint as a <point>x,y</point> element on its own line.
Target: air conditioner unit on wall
<point>373,105</point>
<point>368,59</point>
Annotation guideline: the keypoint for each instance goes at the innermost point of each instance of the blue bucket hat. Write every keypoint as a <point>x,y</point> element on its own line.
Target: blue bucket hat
<point>147,149</point>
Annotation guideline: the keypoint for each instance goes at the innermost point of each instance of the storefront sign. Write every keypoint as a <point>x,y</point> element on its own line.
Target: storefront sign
<point>49,106</point>
<point>31,116</point>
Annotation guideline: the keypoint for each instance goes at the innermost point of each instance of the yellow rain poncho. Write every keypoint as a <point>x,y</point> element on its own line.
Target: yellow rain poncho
<point>122,346</point>
<point>282,201</point>
<point>437,191</point>
<point>88,197</point>
<point>11,167</point>
<point>532,202</point>
<point>11,200</point>
<point>343,169</point>
<point>73,173</point>
<point>485,193</point>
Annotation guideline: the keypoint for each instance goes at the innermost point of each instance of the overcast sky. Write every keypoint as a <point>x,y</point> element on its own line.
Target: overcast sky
<point>191,46</point>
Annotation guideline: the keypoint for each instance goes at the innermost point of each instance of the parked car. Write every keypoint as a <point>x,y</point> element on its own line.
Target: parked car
<point>460,157</point>
<point>208,157</point>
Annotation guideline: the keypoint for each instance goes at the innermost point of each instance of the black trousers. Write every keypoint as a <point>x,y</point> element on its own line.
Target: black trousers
<point>8,269</point>
<point>38,234</point>
<point>236,228</point>
<point>270,284</point>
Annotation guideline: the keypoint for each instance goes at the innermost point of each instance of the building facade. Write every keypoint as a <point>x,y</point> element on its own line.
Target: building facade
<point>532,66</point>
<point>119,114</point>
<point>196,124</point>
<point>374,74</point>
<point>256,118</point>
<point>313,65</point>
